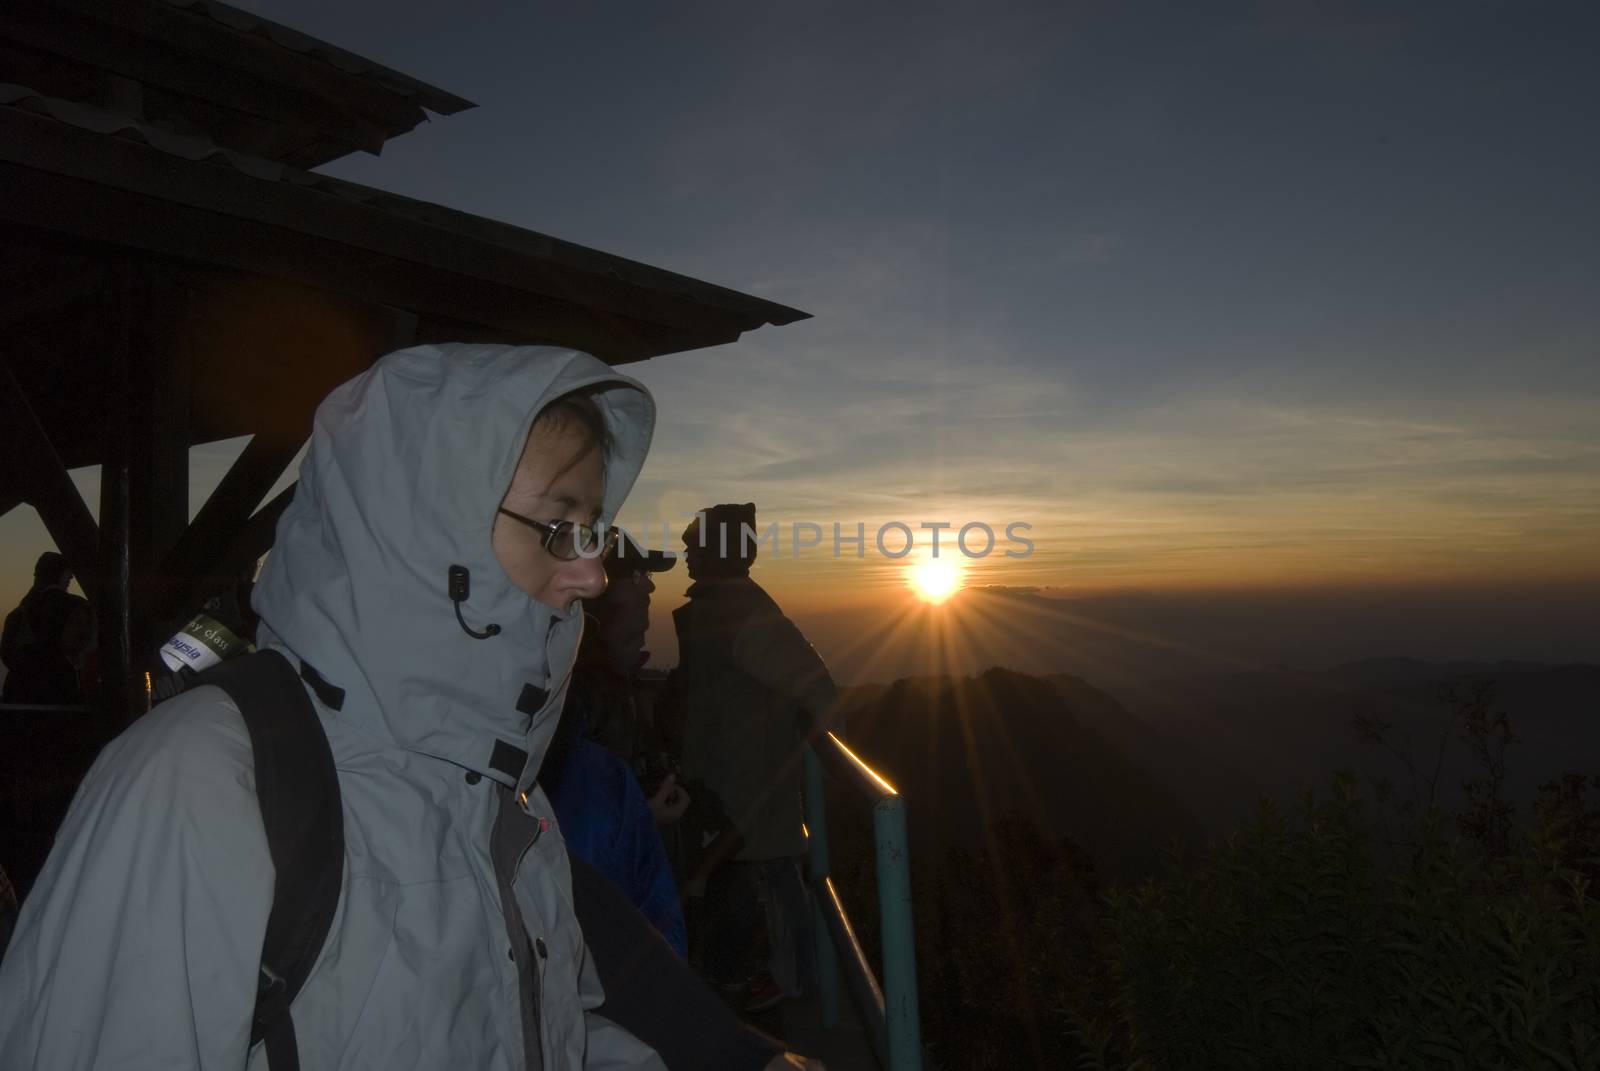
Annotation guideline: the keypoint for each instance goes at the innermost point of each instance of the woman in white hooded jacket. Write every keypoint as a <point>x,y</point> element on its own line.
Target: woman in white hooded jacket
<point>454,943</point>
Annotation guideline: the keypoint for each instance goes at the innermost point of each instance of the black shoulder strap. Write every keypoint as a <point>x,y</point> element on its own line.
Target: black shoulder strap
<point>652,993</point>
<point>298,790</point>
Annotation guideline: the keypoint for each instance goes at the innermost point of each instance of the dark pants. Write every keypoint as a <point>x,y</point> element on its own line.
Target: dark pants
<point>734,924</point>
<point>758,917</point>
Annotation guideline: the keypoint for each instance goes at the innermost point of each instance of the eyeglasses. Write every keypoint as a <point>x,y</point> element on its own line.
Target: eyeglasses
<point>566,540</point>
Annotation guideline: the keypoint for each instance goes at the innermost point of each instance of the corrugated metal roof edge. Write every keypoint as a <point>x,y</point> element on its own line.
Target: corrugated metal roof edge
<point>198,150</point>
<point>431,97</point>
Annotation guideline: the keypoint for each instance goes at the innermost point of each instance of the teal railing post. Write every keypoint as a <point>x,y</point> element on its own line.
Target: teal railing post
<point>899,941</point>
<point>817,859</point>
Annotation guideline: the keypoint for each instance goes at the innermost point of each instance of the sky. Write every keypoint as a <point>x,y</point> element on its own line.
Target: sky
<point>1215,297</point>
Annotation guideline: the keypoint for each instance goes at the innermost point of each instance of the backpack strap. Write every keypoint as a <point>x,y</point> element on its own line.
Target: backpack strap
<point>298,790</point>
<point>651,992</point>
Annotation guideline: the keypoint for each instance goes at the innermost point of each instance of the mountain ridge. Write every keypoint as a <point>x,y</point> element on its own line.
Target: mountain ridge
<point>1120,778</point>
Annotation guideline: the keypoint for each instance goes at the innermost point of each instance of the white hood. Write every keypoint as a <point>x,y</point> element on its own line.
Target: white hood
<point>407,465</point>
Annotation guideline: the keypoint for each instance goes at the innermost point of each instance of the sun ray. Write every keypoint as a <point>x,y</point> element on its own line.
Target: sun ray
<point>878,644</point>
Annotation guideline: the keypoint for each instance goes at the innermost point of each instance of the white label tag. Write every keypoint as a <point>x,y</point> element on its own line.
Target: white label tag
<point>203,643</point>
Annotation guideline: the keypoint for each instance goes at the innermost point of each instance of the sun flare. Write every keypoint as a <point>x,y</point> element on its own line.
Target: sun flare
<point>934,580</point>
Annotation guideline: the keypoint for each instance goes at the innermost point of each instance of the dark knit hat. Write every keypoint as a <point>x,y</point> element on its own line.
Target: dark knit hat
<point>728,550</point>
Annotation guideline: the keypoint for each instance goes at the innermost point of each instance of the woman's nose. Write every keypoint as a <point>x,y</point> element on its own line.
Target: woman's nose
<point>587,578</point>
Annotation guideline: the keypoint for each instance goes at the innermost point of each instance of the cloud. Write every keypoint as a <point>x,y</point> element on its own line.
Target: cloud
<point>1165,489</point>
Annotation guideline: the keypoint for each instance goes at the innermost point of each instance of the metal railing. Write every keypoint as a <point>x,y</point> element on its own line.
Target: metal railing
<point>889,1011</point>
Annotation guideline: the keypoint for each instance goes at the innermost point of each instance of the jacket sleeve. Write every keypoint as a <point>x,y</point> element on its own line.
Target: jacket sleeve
<point>652,994</point>
<point>773,651</point>
<point>653,888</point>
<point>139,945</point>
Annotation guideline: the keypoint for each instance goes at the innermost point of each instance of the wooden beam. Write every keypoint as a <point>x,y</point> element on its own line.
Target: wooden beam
<point>43,482</point>
<point>249,542</point>
<point>160,401</point>
<point>255,537</point>
<point>199,560</point>
<point>51,299</point>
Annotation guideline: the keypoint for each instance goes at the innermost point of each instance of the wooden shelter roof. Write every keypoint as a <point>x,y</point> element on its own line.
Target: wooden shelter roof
<point>206,69</point>
<point>90,187</point>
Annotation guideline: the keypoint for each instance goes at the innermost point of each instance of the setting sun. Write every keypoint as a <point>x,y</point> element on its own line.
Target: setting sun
<point>934,580</point>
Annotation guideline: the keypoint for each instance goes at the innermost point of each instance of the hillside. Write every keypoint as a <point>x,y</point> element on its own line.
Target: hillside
<point>969,750</point>
<point>1192,755</point>
<point>1294,728</point>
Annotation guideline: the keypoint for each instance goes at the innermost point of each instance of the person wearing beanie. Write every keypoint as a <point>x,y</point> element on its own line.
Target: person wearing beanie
<point>753,691</point>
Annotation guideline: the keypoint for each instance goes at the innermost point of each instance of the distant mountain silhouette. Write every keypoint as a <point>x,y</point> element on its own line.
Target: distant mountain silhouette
<point>1403,672</point>
<point>969,750</point>
<point>1220,740</point>
<point>1120,778</point>
<point>1293,728</point>
<point>1131,645</point>
<point>1201,771</point>
<point>1120,720</point>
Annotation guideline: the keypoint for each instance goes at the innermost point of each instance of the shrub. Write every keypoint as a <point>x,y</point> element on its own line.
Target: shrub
<point>1287,946</point>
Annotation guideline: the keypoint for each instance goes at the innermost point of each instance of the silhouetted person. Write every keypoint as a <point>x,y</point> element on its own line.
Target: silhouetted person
<point>604,814</point>
<point>40,666</point>
<point>753,689</point>
<point>623,722</point>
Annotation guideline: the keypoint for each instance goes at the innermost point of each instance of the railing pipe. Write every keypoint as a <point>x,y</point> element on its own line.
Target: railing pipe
<point>891,1010</point>
<point>898,936</point>
<point>863,984</point>
<point>854,768</point>
<point>817,857</point>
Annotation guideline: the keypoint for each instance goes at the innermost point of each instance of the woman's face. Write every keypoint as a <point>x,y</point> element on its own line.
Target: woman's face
<point>552,483</point>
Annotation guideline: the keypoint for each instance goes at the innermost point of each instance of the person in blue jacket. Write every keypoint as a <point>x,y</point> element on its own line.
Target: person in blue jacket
<point>600,807</point>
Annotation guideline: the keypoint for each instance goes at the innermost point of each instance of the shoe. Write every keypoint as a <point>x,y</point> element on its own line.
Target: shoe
<point>764,993</point>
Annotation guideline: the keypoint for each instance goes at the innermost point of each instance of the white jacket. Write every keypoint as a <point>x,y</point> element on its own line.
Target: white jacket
<point>139,946</point>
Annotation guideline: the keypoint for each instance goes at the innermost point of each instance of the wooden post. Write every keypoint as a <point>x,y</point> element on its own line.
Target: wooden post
<point>122,700</point>
<point>158,400</point>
